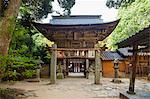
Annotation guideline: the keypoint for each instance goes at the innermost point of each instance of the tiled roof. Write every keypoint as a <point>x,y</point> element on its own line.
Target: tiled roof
<point>76,20</point>
<point>127,52</point>
<point>110,55</point>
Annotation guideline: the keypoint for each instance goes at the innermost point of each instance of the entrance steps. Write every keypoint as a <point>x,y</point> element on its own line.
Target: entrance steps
<point>76,75</point>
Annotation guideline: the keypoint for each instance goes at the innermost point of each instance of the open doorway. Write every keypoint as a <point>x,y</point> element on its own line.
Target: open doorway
<point>76,67</point>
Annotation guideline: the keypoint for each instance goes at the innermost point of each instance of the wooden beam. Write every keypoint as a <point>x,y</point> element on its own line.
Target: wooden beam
<point>72,49</point>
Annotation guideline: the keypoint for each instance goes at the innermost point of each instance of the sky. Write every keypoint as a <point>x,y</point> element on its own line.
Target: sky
<point>88,7</point>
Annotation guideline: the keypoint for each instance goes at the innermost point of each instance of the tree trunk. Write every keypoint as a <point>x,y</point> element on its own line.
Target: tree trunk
<point>8,25</point>
<point>1,7</point>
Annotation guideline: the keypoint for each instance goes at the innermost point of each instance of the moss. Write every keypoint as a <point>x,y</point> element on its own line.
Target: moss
<point>11,21</point>
<point>7,94</point>
<point>60,76</point>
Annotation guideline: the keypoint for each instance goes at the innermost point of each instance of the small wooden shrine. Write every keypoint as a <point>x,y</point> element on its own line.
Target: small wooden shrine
<point>75,37</point>
<point>140,42</point>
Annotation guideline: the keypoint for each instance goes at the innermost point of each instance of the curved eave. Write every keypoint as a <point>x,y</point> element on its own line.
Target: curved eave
<point>70,25</point>
<point>101,28</point>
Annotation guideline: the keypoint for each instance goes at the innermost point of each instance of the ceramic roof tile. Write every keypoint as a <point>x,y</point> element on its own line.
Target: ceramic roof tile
<point>75,20</point>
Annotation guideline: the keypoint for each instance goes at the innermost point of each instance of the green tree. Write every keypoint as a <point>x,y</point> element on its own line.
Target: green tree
<point>118,3</point>
<point>10,10</point>
<point>31,10</point>
<point>8,24</point>
<point>67,5</point>
<point>134,18</point>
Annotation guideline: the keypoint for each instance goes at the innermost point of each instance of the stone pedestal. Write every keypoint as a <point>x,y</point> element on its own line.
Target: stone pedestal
<point>139,95</point>
<point>53,65</point>
<point>60,76</point>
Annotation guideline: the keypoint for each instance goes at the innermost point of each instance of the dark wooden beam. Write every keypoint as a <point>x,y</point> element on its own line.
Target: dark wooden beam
<point>72,49</point>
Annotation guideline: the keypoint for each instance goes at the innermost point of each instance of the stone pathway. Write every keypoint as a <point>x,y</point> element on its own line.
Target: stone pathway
<point>77,88</point>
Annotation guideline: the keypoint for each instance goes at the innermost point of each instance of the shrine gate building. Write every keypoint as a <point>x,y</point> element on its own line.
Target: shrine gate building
<point>76,37</point>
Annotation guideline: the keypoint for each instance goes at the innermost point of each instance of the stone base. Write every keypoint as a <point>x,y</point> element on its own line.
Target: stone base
<point>138,95</point>
<point>116,81</point>
<point>131,92</point>
<point>60,76</point>
<point>148,78</point>
<point>33,80</point>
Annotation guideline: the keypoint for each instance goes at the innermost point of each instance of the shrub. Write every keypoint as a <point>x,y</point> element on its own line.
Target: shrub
<point>29,73</point>
<point>17,68</point>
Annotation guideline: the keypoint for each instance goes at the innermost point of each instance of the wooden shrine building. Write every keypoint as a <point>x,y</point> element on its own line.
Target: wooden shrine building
<point>140,42</point>
<point>75,37</point>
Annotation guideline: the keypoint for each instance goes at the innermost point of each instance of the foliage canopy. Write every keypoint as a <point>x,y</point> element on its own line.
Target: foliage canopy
<point>118,3</point>
<point>134,18</point>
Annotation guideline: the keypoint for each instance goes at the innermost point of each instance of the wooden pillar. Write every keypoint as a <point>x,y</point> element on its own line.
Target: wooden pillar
<point>97,67</point>
<point>133,71</point>
<point>100,64</point>
<point>87,63</point>
<point>87,60</point>
<point>86,74</point>
<point>148,68</point>
<point>53,65</point>
<point>65,67</point>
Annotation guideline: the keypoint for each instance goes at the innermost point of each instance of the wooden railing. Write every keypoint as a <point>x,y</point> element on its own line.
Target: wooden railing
<point>141,70</point>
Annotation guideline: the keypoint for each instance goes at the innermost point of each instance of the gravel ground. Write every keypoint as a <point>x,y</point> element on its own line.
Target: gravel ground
<point>77,88</point>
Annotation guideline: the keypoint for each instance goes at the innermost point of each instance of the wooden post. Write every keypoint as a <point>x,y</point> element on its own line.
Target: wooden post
<point>53,65</point>
<point>67,64</point>
<point>64,68</point>
<point>87,63</point>
<point>148,68</point>
<point>87,60</point>
<point>100,64</point>
<point>97,67</point>
<point>133,71</point>
<point>87,66</point>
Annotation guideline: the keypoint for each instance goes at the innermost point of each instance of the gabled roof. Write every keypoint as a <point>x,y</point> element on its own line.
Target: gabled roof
<point>125,51</point>
<point>76,20</point>
<point>110,55</point>
<point>77,17</point>
<point>100,31</point>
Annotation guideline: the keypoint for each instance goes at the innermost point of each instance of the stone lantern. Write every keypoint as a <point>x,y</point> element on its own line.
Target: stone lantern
<point>38,69</point>
<point>116,71</point>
